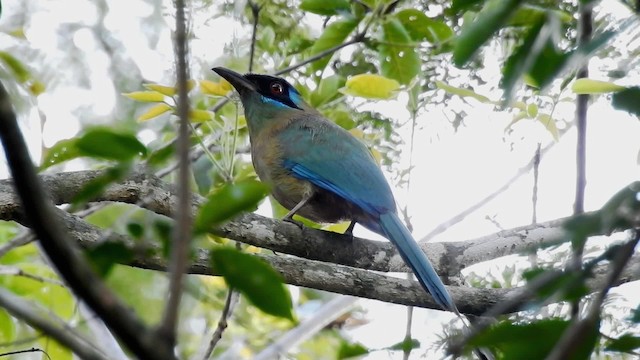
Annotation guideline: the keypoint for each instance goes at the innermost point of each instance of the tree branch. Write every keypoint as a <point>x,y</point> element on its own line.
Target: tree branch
<point>302,272</point>
<point>155,195</point>
<point>23,310</point>
<point>182,231</point>
<point>72,267</point>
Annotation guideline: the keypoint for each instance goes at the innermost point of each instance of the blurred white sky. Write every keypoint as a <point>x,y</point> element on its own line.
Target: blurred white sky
<point>453,169</point>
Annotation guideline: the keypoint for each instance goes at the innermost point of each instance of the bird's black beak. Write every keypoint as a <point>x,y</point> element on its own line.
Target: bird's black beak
<point>238,81</point>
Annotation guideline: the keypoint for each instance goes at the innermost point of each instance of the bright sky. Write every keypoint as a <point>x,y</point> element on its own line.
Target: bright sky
<point>453,170</point>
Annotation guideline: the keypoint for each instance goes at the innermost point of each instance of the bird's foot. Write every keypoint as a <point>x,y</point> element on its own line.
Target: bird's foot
<point>290,219</point>
<point>349,231</point>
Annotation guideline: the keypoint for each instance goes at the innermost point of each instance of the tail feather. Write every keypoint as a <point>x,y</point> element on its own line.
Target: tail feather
<point>411,253</point>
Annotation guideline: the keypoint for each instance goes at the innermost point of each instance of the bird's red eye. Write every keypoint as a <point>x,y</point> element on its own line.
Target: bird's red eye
<point>276,88</point>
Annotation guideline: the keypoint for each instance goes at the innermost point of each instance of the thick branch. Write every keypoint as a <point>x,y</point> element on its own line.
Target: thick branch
<point>448,258</point>
<point>329,277</point>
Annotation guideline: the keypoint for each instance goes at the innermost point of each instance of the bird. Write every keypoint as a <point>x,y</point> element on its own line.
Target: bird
<point>320,171</point>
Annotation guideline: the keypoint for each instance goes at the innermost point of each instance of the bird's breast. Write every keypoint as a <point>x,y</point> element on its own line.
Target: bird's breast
<point>268,162</point>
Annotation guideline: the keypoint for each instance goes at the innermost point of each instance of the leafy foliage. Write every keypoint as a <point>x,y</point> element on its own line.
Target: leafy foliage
<point>255,279</point>
<point>398,51</point>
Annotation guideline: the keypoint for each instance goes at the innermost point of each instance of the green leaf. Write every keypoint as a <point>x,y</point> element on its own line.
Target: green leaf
<point>398,57</point>
<point>514,340</point>
<point>229,201</point>
<point>135,230</point>
<point>349,350</point>
<point>422,28</point>
<point>627,100</point>
<point>255,279</point>
<point>267,38</point>
<point>405,345</point>
<point>462,92</point>
<point>96,186</point>
<point>61,151</point>
<point>107,254</point>
<point>626,343</point>
<point>161,155</point>
<point>547,121</point>
<point>106,143</point>
<point>332,36</point>
<point>462,5</point>
<point>55,350</point>
<point>547,64</point>
<point>528,15</point>
<point>371,86</point>
<point>325,7</point>
<point>7,327</point>
<point>590,86</point>
<point>494,14</point>
<point>327,90</point>
<point>18,69</point>
<point>568,285</point>
<point>614,214</point>
<point>517,63</point>
<point>635,315</point>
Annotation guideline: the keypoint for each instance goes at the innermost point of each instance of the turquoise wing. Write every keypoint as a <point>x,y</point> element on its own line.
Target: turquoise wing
<point>331,158</point>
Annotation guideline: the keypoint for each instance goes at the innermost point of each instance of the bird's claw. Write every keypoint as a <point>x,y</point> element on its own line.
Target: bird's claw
<point>349,231</point>
<point>290,219</point>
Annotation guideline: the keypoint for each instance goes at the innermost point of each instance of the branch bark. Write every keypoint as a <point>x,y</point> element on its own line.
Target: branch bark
<point>253,229</point>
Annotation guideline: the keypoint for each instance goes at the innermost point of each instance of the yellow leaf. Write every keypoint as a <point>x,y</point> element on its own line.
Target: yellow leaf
<point>36,88</point>
<point>340,227</point>
<point>371,86</point>
<point>532,110</point>
<point>590,86</point>
<point>162,89</point>
<point>462,92</point>
<point>190,84</point>
<point>242,122</point>
<point>18,33</point>
<point>376,155</point>
<point>357,133</point>
<point>200,115</point>
<point>549,124</point>
<point>145,96</point>
<point>213,88</point>
<point>154,111</point>
<point>226,85</point>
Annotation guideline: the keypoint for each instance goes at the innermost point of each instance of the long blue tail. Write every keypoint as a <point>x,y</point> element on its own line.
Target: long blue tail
<point>395,231</point>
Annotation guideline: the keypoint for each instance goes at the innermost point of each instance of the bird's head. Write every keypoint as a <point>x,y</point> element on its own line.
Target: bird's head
<point>264,97</point>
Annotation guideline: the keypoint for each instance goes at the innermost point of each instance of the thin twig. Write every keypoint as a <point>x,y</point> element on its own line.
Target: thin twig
<point>229,305</point>
<point>24,238</point>
<point>462,215</point>
<point>27,312</point>
<point>582,105</point>
<point>182,231</point>
<point>356,39</point>
<point>18,352</point>
<point>16,271</point>
<point>255,11</point>
<point>534,191</point>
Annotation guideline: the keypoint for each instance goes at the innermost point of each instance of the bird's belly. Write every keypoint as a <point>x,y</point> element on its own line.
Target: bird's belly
<point>323,207</point>
<point>289,191</point>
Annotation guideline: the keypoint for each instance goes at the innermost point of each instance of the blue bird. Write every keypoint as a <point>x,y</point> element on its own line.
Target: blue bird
<point>320,171</point>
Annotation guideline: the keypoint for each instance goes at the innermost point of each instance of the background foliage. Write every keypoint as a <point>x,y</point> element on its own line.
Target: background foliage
<point>344,57</point>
